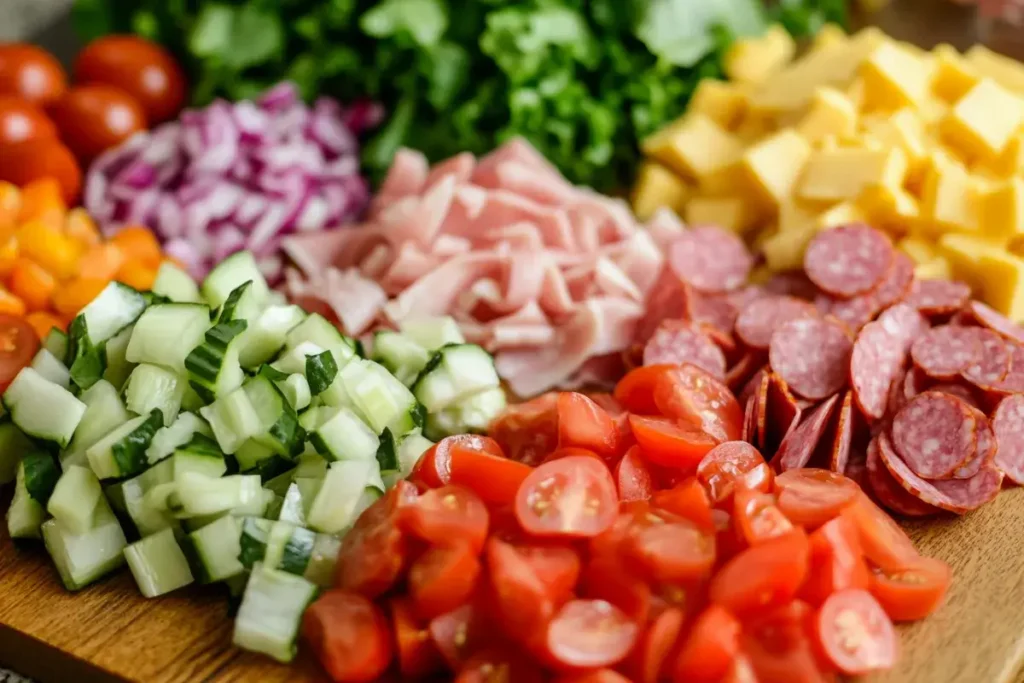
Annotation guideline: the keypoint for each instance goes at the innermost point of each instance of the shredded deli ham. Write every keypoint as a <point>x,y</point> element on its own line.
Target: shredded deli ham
<point>549,277</point>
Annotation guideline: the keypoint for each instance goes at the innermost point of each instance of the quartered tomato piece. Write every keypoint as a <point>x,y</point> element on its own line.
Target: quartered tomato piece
<point>656,645</point>
<point>884,543</point>
<point>595,676</point>
<point>811,497</point>
<point>350,636</point>
<point>911,593</point>
<point>447,516</point>
<point>764,575</point>
<point>665,442</point>
<point>692,395</point>
<point>499,665</point>
<point>855,633</point>
<point>730,465</point>
<point>523,602</point>
<point>528,431</point>
<point>758,517</point>
<point>584,424</point>
<point>442,578</point>
<point>632,477</point>
<point>836,561</point>
<point>590,634</point>
<point>417,655</point>
<point>689,500</point>
<point>457,634</point>
<point>557,566</point>
<point>434,467</point>
<point>672,550</point>
<point>374,552</point>
<point>569,497</point>
<point>780,648</point>
<point>494,478</point>
<point>608,578</point>
<point>18,344</point>
<point>635,391</point>
<point>709,650</point>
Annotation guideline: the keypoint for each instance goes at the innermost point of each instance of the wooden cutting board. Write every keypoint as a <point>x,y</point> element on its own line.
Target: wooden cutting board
<point>109,632</point>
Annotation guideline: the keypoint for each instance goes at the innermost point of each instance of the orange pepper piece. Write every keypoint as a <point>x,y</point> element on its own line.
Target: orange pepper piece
<point>32,283</point>
<point>8,255</point>
<point>48,247</point>
<point>137,275</point>
<point>80,227</point>
<point>42,322</point>
<point>42,200</point>
<point>139,244</point>
<point>73,296</point>
<point>10,205</point>
<point>101,262</point>
<point>10,303</point>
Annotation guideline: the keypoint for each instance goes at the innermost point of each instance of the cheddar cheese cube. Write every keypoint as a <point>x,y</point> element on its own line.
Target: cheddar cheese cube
<point>894,76</point>
<point>755,59</point>
<point>840,174</point>
<point>694,147</point>
<point>954,76</point>
<point>905,130</point>
<point>919,250</point>
<point>774,164</point>
<point>936,269</point>
<point>841,214</point>
<point>724,103</point>
<point>964,253</point>
<point>1007,72</point>
<point>1002,283</point>
<point>656,186</point>
<point>785,250</point>
<point>889,207</point>
<point>1001,211</point>
<point>947,199</point>
<point>982,122</point>
<point>795,215</point>
<point>732,213</point>
<point>831,113</point>
<point>1009,163</point>
<point>827,36</point>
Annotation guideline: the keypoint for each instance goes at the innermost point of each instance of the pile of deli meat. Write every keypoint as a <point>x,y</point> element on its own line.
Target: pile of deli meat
<point>549,277</point>
<point>907,386</point>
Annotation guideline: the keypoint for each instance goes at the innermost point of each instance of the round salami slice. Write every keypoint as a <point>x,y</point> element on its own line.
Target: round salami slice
<point>811,356</point>
<point>1008,426</point>
<point>990,368</point>
<point>857,469</point>
<point>677,342</point>
<point>886,489</point>
<point>935,434</point>
<point>994,320</point>
<point>984,452</point>
<point>761,317</point>
<point>784,413</point>
<point>878,357</point>
<point>855,312</point>
<point>848,260</point>
<point>710,259</point>
<point>938,297</point>
<point>750,420</point>
<point>669,299</point>
<point>896,283</point>
<point>752,386</point>
<point>761,410</point>
<point>798,447</point>
<point>843,435</point>
<point>714,310</point>
<point>791,283</point>
<point>1013,383</point>
<point>944,352</point>
<point>897,394</point>
<point>743,369</point>
<point>959,390</point>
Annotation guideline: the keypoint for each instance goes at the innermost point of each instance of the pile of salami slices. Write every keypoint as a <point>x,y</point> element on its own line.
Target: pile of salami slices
<point>908,386</point>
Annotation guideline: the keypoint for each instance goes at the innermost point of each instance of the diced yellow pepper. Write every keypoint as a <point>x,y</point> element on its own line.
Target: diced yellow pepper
<point>831,113</point>
<point>982,122</point>
<point>656,186</point>
<point>1001,211</point>
<point>1009,73</point>
<point>921,251</point>
<point>785,250</point>
<point>694,147</point>
<point>936,269</point>
<point>755,59</point>
<point>836,175</point>
<point>1002,283</point>
<point>894,76</point>
<point>954,76</point>
<point>724,103</point>
<point>775,163</point>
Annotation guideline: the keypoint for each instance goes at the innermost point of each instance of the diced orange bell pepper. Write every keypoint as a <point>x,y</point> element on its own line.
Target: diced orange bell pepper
<point>80,227</point>
<point>101,262</point>
<point>32,283</point>
<point>73,296</point>
<point>42,200</point>
<point>137,275</point>
<point>140,245</point>
<point>10,303</point>
<point>10,206</point>
<point>8,255</point>
<point>42,322</point>
<point>49,247</point>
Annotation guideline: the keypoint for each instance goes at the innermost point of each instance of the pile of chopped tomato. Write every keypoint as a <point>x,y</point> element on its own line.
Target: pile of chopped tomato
<point>647,544</point>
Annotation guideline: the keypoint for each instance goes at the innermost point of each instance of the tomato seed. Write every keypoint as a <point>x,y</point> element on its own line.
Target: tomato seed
<point>852,631</point>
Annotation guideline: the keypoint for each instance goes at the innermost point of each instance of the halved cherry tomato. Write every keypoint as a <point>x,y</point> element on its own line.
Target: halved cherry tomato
<point>448,516</point>
<point>670,551</point>
<point>758,517</point>
<point>23,162</point>
<point>567,451</point>
<point>648,659</point>
<point>457,633</point>
<point>374,552</point>
<point>608,578</point>
<point>584,424</point>
<point>632,477</point>
<point>855,633</point>
<point>884,543</point>
<point>836,561</point>
<point>911,593</point>
<point>570,497</point>
<point>350,636</point>
<point>523,602</point>
<point>557,567</point>
<point>417,655</point>
<point>442,578</point>
<point>607,402</point>
<point>780,648</point>
<point>20,120</point>
<point>690,501</point>
<point>731,464</point>
<point>94,118</point>
<point>811,497</point>
<point>528,431</point>
<point>18,344</point>
<point>690,394</point>
<point>665,442</point>
<point>434,468</point>
<point>595,676</point>
<point>494,478</point>
<point>31,72</point>
<point>499,665</point>
<point>741,671</point>
<point>590,634</point>
<point>762,576</point>
<point>709,650</point>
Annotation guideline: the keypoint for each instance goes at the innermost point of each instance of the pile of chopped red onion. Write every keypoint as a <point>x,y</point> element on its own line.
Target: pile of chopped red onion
<point>237,176</point>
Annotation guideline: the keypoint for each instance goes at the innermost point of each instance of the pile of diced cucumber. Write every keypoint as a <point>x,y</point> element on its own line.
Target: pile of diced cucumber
<point>235,436</point>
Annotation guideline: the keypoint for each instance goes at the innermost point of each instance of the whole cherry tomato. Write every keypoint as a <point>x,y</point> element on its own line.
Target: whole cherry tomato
<point>94,118</point>
<point>21,120</point>
<point>23,162</point>
<point>142,69</point>
<point>30,72</point>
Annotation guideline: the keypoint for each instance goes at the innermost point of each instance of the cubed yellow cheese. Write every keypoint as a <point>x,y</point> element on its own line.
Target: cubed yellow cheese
<point>947,200</point>
<point>1002,283</point>
<point>724,103</point>
<point>1009,73</point>
<point>937,268</point>
<point>827,36</point>
<point>889,207</point>
<point>954,76</point>
<point>785,250</point>
<point>732,213</point>
<point>1001,211</point>
<point>1010,161</point>
<point>894,76</point>
<point>921,251</point>
<point>755,59</point>
<point>835,175</point>
<point>831,113</point>
<point>795,215</point>
<point>843,213</point>
<point>729,180</point>
<point>982,122</point>
<point>902,129</point>
<point>694,147</point>
<point>775,163</point>
<point>965,253</point>
<point>656,186</point>
<point>760,274</point>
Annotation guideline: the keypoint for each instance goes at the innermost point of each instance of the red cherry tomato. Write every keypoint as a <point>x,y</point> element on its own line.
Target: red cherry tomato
<point>884,543</point>
<point>449,515</point>
<point>780,647</point>
<point>434,468</point>
<point>142,69</point>
<point>608,578</point>
<point>667,443</point>
<point>528,432</point>
<point>690,394</point>
<point>758,517</point>
<point>457,634</point>
<point>672,551</point>
<point>911,593</point>
<point>30,72</point>
<point>499,665</point>
<point>21,121</point>
<point>690,501</point>
<point>632,477</point>
<point>571,497</point>
<point>350,636</point>
<point>584,424</point>
<point>855,633</point>
<point>523,602</point>
<point>635,391</point>
<point>655,646</point>
<point>762,576</point>
<point>94,118</point>
<point>18,344</point>
<point>709,650</point>
<point>595,676</point>
<point>441,579</point>
<point>590,634</point>
<point>23,162</point>
<point>811,497</point>
<point>557,567</point>
<point>733,464</point>
<point>494,478</point>
<point>416,653</point>
<point>837,562</point>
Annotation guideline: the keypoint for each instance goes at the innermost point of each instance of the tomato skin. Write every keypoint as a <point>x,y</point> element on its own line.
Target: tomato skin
<point>524,604</point>
<point>441,579</point>
<point>557,566</point>
<point>810,497</point>
<point>18,344</point>
<point>762,576</point>
<point>374,552</point>
<point>590,634</point>
<point>494,478</point>
<point>758,518</point>
<point>595,676</point>
<point>21,121</point>
<point>142,69</point>
<point>450,515</point>
<point>94,118</point>
<point>571,497</point>
<point>499,665</point>
<point>732,464</point>
<point>653,650</point>
<point>884,543</point>
<point>855,633</point>
<point>911,593</point>
<point>635,391</point>
<point>528,432</point>
<point>414,649</point>
<point>457,633</point>
<point>30,72</point>
<point>780,648</point>
<point>692,395</point>
<point>690,501</point>
<point>632,477</point>
<point>708,652</point>
<point>434,468</point>
<point>584,424</point>
<point>607,578</point>
<point>837,562</point>
<point>673,551</point>
<point>23,162</point>
<point>664,442</point>
<point>349,635</point>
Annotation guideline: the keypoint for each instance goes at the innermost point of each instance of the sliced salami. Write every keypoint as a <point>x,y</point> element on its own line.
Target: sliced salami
<point>1013,383</point>
<point>710,259</point>
<point>848,260</point>
<point>843,435</point>
<point>752,386</point>
<point>935,434</point>
<point>944,352</point>
<point>897,281</point>
<point>811,356</point>
<point>857,469</point>
<point>984,452</point>
<point>792,283</point>
<point>783,413</point>
<point>677,342</point>
<point>991,367</point>
<point>855,312</point>
<point>761,410</point>
<point>715,310</point>
<point>797,448</point>
<point>1008,426</point>
<point>994,320</point>
<point>938,297</point>
<point>667,300</point>
<point>761,317</point>
<point>886,489</point>
<point>879,355</point>
<point>959,390</point>
<point>897,394</point>
<point>750,420</point>
<point>743,369</point>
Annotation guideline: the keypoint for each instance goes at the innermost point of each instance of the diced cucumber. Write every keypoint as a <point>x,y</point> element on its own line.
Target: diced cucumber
<point>433,333</point>
<point>229,274</point>
<point>166,333</point>
<point>215,549</point>
<point>309,487</point>
<point>233,419</point>
<point>323,560</point>
<point>311,465</point>
<point>292,509</point>
<point>378,397</point>
<point>471,415</point>
<point>122,453</point>
<point>83,558</point>
<point>289,548</point>
<point>279,484</point>
<point>26,514</point>
<point>271,611</point>
<point>158,564</point>
<point>114,309</point>
<point>56,342</point>
<point>410,449</point>
<point>241,304</point>
<point>118,366</point>
<point>167,439</point>
<point>402,356</point>
<point>279,425</point>
<point>175,284</point>
<point>43,409</point>
<point>104,412</point>
<point>387,453</point>
<point>147,518</point>
<point>320,372</point>
<point>200,495</point>
<point>296,391</point>
<point>293,360</point>
<point>455,373</point>
<point>151,387</point>
<point>343,436</point>
<point>13,446</point>
<point>86,360</point>
<point>266,335</point>
<point>41,475</point>
<point>74,499</point>
<point>213,367</point>
<point>336,505</point>
<point>191,401</point>
<point>318,330</point>
<point>251,453</point>
<point>253,540</point>
<point>51,368</point>
<point>202,456</point>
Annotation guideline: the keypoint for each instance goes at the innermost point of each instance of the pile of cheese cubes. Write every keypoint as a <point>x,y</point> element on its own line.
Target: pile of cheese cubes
<point>926,145</point>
